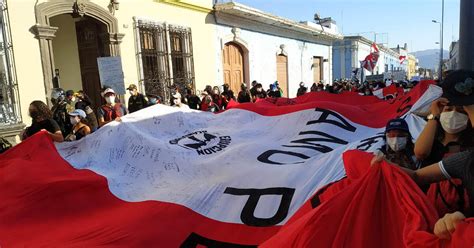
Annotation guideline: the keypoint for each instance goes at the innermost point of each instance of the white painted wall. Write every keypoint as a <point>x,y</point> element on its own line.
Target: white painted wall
<point>66,53</point>
<point>263,49</point>
<point>28,58</point>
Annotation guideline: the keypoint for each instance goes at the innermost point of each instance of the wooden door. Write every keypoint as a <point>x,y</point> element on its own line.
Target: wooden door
<point>282,73</point>
<point>317,69</point>
<point>233,63</point>
<point>90,48</point>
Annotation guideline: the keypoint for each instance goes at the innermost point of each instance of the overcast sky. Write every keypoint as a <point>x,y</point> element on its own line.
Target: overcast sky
<point>395,21</point>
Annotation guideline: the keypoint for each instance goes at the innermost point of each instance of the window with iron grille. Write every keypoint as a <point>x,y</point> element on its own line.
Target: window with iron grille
<point>166,57</point>
<point>181,56</point>
<point>9,104</point>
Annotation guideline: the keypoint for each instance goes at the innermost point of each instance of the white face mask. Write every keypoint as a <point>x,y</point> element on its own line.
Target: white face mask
<point>453,122</point>
<point>73,120</point>
<point>397,143</point>
<point>176,101</point>
<point>110,99</point>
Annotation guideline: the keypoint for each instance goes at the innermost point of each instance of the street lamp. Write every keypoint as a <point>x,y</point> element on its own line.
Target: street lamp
<point>441,42</point>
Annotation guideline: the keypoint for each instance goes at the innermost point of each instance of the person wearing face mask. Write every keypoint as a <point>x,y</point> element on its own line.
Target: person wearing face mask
<point>259,92</point>
<point>136,101</point>
<point>447,133</point>
<point>274,91</point>
<point>111,111</point>
<point>398,148</point>
<point>59,110</point>
<point>84,103</point>
<point>80,128</point>
<point>153,99</point>
<point>216,97</point>
<point>458,166</point>
<point>70,100</point>
<point>176,100</point>
<point>42,120</point>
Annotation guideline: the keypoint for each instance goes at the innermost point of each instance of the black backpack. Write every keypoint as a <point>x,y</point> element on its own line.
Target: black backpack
<point>4,145</point>
<point>60,115</point>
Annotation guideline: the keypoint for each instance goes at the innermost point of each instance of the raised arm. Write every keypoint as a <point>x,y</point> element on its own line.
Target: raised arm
<point>426,139</point>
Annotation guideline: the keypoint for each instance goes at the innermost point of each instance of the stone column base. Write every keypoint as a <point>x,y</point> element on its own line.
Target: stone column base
<point>12,132</point>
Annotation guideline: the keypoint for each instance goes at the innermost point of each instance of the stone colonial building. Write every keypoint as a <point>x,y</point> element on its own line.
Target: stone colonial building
<point>56,43</point>
<point>47,44</point>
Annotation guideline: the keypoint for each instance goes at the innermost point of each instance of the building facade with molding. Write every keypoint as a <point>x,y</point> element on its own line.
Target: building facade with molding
<point>349,52</point>
<point>412,66</point>
<point>254,45</point>
<point>453,61</point>
<point>47,44</point>
<point>56,43</point>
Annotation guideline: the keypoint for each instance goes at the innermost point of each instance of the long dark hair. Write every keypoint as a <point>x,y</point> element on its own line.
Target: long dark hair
<point>43,112</point>
<point>466,137</point>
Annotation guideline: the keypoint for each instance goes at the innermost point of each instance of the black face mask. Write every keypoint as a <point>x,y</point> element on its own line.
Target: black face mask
<point>34,114</point>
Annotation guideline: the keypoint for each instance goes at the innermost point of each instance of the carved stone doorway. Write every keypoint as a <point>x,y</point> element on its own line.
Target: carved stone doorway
<point>82,9</point>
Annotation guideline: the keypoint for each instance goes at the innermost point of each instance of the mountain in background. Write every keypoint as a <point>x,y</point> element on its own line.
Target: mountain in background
<point>429,58</point>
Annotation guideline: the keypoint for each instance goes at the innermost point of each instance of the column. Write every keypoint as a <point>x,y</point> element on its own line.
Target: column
<point>466,36</point>
<point>45,35</point>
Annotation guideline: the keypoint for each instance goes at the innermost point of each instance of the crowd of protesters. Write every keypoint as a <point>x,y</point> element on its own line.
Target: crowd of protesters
<point>441,159</point>
<point>73,115</point>
<point>215,99</point>
<point>443,152</point>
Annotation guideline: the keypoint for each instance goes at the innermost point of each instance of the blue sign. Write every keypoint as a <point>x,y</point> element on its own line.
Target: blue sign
<point>111,73</point>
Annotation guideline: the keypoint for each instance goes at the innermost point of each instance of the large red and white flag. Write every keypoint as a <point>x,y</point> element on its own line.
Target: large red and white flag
<point>257,173</point>
<point>370,61</point>
<point>375,48</point>
<point>402,59</point>
<point>390,90</point>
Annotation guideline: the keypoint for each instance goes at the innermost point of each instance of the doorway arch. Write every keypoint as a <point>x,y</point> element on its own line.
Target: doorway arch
<point>242,46</point>
<point>45,33</point>
<point>234,66</point>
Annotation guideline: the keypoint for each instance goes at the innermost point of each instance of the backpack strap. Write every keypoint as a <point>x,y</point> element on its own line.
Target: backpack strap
<point>109,113</point>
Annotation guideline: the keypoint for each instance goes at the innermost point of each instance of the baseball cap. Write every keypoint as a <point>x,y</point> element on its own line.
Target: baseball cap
<point>69,93</point>
<point>78,112</point>
<point>109,91</point>
<point>132,87</point>
<point>397,124</point>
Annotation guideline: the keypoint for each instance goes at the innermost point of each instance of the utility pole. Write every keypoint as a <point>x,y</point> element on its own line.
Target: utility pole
<point>441,57</point>
<point>466,35</point>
